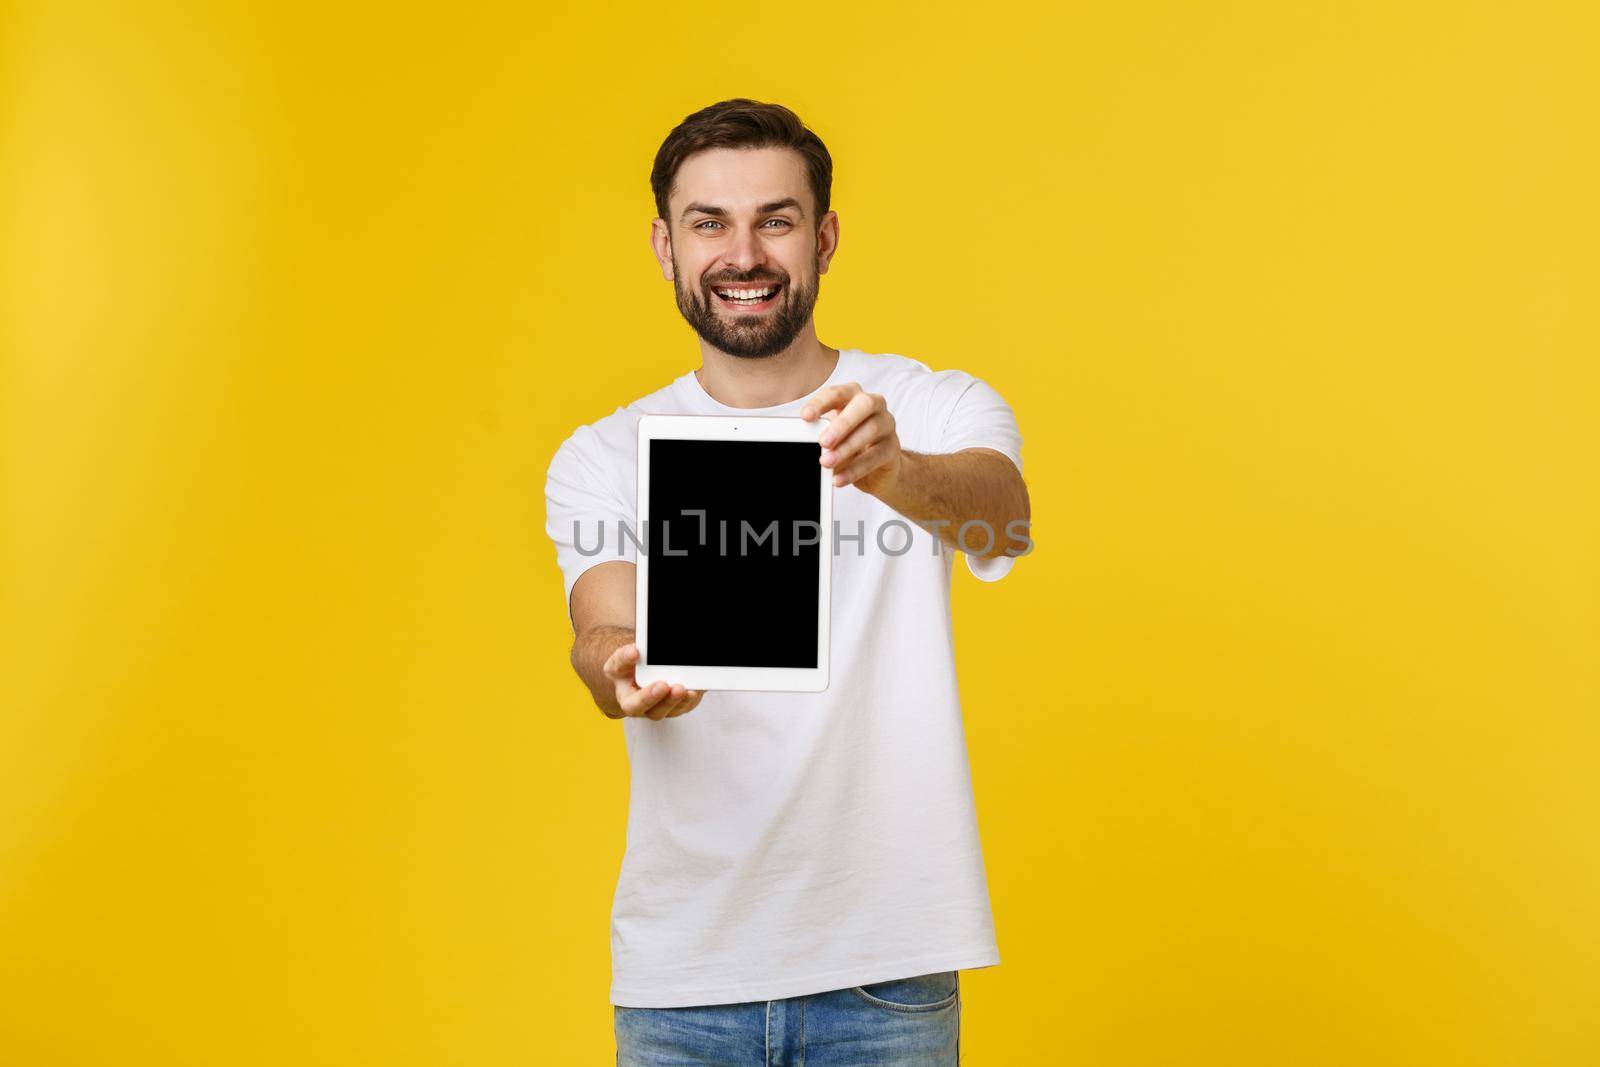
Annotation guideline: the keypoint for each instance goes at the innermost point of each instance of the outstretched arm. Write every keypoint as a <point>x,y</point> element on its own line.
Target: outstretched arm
<point>976,488</point>
<point>603,650</point>
<point>974,500</point>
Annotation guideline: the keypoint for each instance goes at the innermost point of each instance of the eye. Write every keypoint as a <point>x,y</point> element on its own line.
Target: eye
<point>708,222</point>
<point>784,221</point>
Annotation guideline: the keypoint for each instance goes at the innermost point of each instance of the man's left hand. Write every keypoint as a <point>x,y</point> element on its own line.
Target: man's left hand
<point>859,443</point>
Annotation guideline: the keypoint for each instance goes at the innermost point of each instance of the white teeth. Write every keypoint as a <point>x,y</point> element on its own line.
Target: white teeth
<point>748,294</point>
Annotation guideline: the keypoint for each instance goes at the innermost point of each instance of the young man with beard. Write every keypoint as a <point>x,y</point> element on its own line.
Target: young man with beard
<point>802,879</point>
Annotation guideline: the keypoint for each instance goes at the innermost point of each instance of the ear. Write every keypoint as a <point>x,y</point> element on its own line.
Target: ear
<point>661,245</point>
<point>827,240</point>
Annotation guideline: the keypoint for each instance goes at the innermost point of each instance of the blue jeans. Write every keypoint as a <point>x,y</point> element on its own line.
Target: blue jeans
<point>907,1022</point>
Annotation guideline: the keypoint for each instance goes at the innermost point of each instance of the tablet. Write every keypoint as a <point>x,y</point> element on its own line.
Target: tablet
<point>734,553</point>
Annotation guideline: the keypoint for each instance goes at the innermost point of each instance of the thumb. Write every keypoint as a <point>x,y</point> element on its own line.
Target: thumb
<point>620,663</point>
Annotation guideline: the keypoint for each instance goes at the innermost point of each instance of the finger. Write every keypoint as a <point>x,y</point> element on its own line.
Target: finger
<point>671,707</point>
<point>619,664</point>
<point>690,701</point>
<point>832,398</point>
<point>868,462</point>
<point>869,433</point>
<point>674,694</point>
<point>860,408</point>
<point>682,704</point>
<point>642,700</point>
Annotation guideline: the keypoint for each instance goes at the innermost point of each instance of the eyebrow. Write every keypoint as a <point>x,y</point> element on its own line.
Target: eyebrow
<point>722,213</point>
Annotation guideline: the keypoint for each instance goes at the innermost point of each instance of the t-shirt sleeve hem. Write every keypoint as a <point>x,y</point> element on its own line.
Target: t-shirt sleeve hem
<point>990,570</point>
<point>582,568</point>
<point>1005,450</point>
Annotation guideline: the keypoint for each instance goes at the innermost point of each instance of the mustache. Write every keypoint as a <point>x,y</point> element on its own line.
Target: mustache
<point>713,283</point>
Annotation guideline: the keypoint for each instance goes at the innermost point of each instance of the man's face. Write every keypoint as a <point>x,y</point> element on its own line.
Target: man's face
<point>745,252</point>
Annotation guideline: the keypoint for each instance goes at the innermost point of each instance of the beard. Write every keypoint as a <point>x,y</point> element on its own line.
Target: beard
<point>747,336</point>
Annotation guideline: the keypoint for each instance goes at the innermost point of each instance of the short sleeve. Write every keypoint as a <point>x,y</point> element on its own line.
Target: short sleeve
<point>979,417</point>
<point>584,518</point>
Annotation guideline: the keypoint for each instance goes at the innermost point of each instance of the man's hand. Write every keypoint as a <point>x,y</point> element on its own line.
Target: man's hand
<point>951,495</point>
<point>658,701</point>
<point>604,653</point>
<point>860,443</point>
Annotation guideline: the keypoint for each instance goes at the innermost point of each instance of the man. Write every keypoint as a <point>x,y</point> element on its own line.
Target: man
<point>802,879</point>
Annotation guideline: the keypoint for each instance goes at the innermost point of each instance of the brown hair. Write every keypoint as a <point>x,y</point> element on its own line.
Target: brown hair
<point>742,123</point>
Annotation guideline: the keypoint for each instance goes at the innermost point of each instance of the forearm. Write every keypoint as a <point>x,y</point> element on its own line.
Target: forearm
<point>590,651</point>
<point>943,492</point>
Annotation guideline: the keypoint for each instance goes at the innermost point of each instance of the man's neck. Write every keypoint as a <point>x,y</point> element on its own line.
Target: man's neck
<point>795,373</point>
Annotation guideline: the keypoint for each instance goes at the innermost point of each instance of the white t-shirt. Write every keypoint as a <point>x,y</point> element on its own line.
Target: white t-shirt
<point>781,844</point>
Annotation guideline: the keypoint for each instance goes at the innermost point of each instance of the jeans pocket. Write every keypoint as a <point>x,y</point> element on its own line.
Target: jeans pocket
<point>925,992</point>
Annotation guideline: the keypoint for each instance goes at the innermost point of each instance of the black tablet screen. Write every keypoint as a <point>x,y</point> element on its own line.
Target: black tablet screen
<point>735,586</point>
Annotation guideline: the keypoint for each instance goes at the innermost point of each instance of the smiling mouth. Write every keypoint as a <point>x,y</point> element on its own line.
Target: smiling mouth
<point>749,297</point>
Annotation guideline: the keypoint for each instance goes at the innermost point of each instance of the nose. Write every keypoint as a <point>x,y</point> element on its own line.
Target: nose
<point>744,253</point>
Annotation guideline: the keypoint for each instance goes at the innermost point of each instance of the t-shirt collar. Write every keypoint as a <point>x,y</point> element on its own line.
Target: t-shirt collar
<point>699,398</point>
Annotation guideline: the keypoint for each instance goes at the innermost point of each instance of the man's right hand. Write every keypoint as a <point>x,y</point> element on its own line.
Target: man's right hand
<point>655,701</point>
<point>604,653</point>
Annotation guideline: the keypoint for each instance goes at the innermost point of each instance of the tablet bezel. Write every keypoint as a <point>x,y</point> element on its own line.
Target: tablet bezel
<point>732,428</point>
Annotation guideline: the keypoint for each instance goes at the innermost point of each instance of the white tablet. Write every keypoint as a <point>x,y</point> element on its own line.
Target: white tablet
<point>734,553</point>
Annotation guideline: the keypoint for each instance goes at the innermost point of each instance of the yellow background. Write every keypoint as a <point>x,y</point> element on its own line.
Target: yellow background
<point>1284,740</point>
